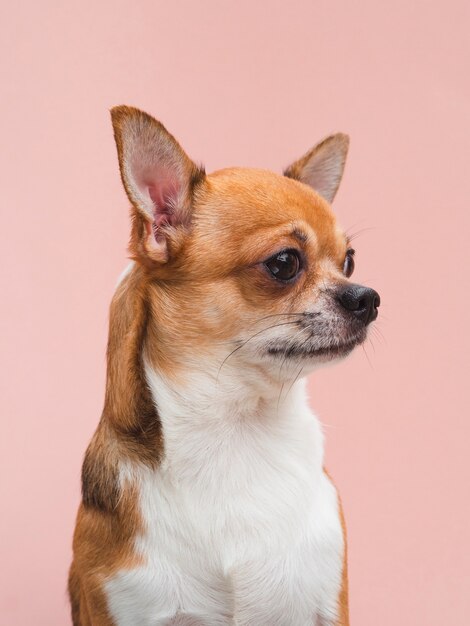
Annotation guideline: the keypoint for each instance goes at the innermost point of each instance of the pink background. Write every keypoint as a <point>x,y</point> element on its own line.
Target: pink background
<point>247,83</point>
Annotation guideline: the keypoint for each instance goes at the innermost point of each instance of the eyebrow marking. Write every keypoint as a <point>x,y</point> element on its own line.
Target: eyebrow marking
<point>299,235</point>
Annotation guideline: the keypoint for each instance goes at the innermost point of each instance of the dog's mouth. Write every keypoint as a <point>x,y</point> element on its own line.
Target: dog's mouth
<point>328,352</point>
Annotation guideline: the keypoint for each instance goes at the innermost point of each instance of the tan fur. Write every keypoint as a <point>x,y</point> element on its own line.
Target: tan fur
<point>209,283</point>
<point>240,218</point>
<point>108,519</point>
<point>343,598</point>
<point>310,167</point>
<point>102,545</point>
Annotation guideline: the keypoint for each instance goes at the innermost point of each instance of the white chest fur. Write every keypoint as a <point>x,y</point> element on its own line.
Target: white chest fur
<point>242,524</point>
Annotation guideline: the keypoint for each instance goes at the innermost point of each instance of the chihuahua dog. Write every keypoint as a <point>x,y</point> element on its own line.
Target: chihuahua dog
<point>205,499</point>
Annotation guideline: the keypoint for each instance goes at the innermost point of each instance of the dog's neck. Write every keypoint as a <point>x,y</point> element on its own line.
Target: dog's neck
<point>230,420</point>
<point>236,394</point>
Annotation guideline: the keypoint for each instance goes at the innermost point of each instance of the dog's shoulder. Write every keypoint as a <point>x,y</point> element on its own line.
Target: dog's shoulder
<point>100,473</point>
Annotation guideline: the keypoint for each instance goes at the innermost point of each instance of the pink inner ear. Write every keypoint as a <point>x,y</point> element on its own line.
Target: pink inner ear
<point>160,188</point>
<point>163,191</point>
<point>163,197</point>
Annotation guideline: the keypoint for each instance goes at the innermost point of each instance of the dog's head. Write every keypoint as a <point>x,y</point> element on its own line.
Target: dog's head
<point>245,265</point>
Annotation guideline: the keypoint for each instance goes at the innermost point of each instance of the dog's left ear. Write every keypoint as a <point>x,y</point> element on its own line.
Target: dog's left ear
<point>159,179</point>
<point>323,166</point>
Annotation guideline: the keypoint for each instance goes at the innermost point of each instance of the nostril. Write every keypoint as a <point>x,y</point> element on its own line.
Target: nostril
<point>362,304</point>
<point>361,301</point>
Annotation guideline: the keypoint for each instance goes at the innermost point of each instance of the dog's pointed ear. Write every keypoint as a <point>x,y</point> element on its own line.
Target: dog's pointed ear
<point>159,179</point>
<point>323,166</point>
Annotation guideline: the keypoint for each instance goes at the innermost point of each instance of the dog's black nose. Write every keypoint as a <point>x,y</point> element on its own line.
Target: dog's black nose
<point>361,301</point>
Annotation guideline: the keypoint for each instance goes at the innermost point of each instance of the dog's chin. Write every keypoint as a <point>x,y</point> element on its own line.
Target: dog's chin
<point>318,354</point>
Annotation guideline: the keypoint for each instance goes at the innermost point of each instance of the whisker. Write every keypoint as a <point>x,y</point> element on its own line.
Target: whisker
<point>367,356</point>
<point>371,343</point>
<point>261,319</point>
<point>294,381</point>
<point>250,338</point>
<point>378,334</point>
<point>278,315</point>
<point>292,341</point>
<point>281,366</point>
<point>349,229</point>
<point>360,232</point>
<point>279,397</point>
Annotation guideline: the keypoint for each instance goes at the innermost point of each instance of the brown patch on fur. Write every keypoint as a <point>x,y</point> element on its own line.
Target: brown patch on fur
<point>343,597</point>
<point>100,471</point>
<point>128,403</point>
<point>103,544</point>
<point>129,430</point>
<point>74,595</point>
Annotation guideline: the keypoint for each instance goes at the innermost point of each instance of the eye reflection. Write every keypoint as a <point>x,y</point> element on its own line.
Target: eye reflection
<point>284,265</point>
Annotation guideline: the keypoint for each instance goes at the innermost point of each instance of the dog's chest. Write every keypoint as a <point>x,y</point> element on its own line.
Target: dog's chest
<point>253,537</point>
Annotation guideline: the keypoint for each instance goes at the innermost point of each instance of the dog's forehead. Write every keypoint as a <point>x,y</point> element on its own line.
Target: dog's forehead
<point>248,199</point>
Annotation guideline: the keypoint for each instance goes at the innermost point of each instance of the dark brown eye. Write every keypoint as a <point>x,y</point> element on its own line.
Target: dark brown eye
<point>348,266</point>
<point>284,265</point>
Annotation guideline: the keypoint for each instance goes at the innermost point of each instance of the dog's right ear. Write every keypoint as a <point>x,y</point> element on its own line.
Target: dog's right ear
<point>159,179</point>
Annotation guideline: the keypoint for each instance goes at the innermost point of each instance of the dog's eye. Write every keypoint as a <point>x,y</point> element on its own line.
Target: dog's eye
<point>348,266</point>
<point>284,265</point>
